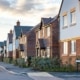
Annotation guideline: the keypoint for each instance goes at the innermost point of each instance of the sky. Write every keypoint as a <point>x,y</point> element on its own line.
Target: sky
<point>28,12</point>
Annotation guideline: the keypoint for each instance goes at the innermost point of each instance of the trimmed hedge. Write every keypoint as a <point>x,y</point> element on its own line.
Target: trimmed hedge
<point>47,64</point>
<point>7,60</point>
<point>20,62</point>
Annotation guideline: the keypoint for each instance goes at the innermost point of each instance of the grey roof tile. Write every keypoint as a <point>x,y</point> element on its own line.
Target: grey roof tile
<point>23,29</point>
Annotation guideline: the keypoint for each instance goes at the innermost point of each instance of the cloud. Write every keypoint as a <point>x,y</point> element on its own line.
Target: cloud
<point>27,7</point>
<point>4,4</point>
<point>29,12</point>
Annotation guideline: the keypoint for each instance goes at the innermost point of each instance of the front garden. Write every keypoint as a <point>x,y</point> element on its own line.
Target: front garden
<point>41,64</point>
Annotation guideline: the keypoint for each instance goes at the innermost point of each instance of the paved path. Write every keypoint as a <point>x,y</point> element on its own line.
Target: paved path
<point>27,73</point>
<point>10,72</point>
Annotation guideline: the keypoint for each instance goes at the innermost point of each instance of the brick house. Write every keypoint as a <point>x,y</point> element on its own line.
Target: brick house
<point>16,33</point>
<point>47,37</point>
<point>27,44</point>
<point>69,31</point>
<point>10,45</point>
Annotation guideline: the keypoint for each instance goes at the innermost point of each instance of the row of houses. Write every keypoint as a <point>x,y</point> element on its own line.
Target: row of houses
<point>58,36</point>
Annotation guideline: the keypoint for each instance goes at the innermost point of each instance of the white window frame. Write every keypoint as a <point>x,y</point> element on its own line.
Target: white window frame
<point>79,5</point>
<point>65,20</point>
<point>73,17</point>
<point>73,47</point>
<point>65,47</point>
<point>48,31</point>
<point>39,34</point>
<point>43,32</point>
<point>48,52</point>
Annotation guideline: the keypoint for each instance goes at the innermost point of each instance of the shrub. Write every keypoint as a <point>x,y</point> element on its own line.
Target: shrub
<point>45,63</point>
<point>29,61</point>
<point>21,62</point>
<point>15,62</point>
<point>7,60</point>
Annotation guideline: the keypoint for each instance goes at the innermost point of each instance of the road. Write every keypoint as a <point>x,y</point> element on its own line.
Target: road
<point>10,72</point>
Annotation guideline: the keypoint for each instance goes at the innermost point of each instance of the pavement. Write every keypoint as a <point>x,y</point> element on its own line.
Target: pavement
<point>29,74</point>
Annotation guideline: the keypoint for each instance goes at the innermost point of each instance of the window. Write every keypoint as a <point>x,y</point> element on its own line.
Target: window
<point>65,47</point>
<point>65,20</point>
<point>39,34</point>
<point>43,32</point>
<point>79,5</point>
<point>25,38</point>
<point>73,46</point>
<point>73,17</point>
<point>48,52</point>
<point>48,31</point>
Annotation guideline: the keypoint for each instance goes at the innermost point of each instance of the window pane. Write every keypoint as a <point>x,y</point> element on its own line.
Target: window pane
<point>43,32</point>
<point>48,31</point>
<point>73,17</point>
<point>48,52</point>
<point>73,46</point>
<point>39,34</point>
<point>65,20</point>
<point>65,47</point>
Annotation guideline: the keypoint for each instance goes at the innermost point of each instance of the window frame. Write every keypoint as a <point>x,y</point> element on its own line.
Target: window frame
<point>65,47</point>
<point>48,52</point>
<point>65,21</point>
<point>48,31</point>
<point>73,47</point>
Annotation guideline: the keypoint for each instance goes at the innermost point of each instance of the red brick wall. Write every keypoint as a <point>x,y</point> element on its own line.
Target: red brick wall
<point>55,38</point>
<point>31,41</point>
<point>10,54</point>
<point>70,58</point>
<point>78,47</point>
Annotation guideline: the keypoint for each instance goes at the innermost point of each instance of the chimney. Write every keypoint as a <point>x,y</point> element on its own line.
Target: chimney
<point>10,31</point>
<point>18,23</point>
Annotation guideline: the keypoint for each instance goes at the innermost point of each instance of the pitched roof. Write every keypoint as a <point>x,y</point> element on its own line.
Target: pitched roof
<point>23,29</point>
<point>46,20</point>
<point>10,37</point>
<point>60,7</point>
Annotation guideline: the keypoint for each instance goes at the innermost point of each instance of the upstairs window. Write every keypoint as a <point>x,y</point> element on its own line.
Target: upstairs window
<point>73,16</point>
<point>65,20</point>
<point>48,31</point>
<point>39,34</point>
<point>43,32</point>
<point>79,5</point>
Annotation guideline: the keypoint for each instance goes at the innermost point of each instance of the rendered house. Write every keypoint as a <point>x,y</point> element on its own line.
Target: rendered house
<point>5,49</point>
<point>10,45</point>
<point>27,44</point>
<point>47,37</point>
<point>16,33</point>
<point>1,50</point>
<point>70,31</point>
